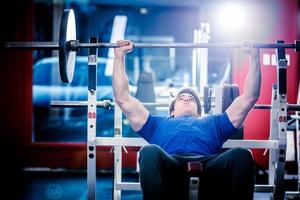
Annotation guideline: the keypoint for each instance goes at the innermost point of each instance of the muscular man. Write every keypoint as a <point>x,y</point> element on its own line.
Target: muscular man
<point>184,136</point>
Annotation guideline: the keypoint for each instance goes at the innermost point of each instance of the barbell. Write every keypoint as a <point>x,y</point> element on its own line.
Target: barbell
<point>68,45</point>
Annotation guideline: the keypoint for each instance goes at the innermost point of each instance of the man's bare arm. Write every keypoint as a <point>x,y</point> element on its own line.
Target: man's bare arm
<point>135,112</point>
<point>242,105</point>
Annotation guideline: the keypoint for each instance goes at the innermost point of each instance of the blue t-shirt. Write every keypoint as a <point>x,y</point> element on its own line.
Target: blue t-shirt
<point>187,135</point>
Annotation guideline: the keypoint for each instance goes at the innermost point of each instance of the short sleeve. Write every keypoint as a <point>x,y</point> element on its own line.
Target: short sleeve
<point>224,126</point>
<point>148,128</point>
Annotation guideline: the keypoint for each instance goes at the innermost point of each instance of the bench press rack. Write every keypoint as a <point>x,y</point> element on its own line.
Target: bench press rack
<point>276,144</point>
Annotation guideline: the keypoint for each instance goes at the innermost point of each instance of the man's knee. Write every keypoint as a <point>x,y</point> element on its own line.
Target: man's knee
<point>242,155</point>
<point>150,152</point>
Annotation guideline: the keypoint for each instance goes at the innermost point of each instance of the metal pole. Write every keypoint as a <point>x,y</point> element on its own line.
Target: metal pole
<point>74,45</point>
<point>191,45</point>
<point>273,135</point>
<point>117,152</point>
<point>32,45</point>
<point>282,123</point>
<point>91,123</point>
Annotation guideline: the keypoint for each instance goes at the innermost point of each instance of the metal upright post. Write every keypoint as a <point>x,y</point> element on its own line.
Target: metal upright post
<point>297,117</point>
<point>273,134</point>
<point>298,143</point>
<point>282,123</point>
<point>296,194</point>
<point>117,153</point>
<point>91,121</point>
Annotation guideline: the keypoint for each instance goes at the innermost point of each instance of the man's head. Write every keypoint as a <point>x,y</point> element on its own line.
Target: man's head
<point>187,102</point>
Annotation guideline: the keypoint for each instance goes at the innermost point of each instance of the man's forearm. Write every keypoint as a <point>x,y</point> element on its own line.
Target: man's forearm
<point>253,79</point>
<point>120,80</point>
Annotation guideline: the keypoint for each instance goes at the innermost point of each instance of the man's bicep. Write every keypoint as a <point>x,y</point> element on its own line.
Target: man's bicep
<point>238,111</point>
<point>135,112</point>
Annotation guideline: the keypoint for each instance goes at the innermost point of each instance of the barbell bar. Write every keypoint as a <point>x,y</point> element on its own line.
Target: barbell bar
<point>75,45</point>
<point>68,45</point>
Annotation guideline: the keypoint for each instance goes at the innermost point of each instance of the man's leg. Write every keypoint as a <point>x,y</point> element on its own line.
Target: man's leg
<point>161,175</point>
<point>229,175</point>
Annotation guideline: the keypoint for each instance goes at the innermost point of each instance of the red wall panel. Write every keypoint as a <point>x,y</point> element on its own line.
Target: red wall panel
<point>276,20</point>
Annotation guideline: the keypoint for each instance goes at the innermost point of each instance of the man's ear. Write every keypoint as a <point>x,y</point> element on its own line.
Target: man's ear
<point>172,114</point>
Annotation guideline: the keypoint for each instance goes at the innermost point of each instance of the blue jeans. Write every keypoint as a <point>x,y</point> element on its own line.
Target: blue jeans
<point>228,175</point>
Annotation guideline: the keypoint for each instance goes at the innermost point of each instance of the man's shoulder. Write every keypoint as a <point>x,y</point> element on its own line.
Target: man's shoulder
<point>157,118</point>
<point>213,117</point>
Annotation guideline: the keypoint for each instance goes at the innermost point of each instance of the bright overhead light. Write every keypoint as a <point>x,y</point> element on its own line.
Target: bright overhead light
<point>231,16</point>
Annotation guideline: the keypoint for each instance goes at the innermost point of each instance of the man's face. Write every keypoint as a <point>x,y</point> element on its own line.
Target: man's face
<point>185,104</point>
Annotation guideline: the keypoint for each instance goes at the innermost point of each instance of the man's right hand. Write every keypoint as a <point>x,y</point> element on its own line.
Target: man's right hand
<point>248,48</point>
<point>124,46</point>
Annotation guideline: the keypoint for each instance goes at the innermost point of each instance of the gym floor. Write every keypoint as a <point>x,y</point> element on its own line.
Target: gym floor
<point>61,185</point>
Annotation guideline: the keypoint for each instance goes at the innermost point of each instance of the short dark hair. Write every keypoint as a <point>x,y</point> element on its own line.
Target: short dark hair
<point>191,92</point>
